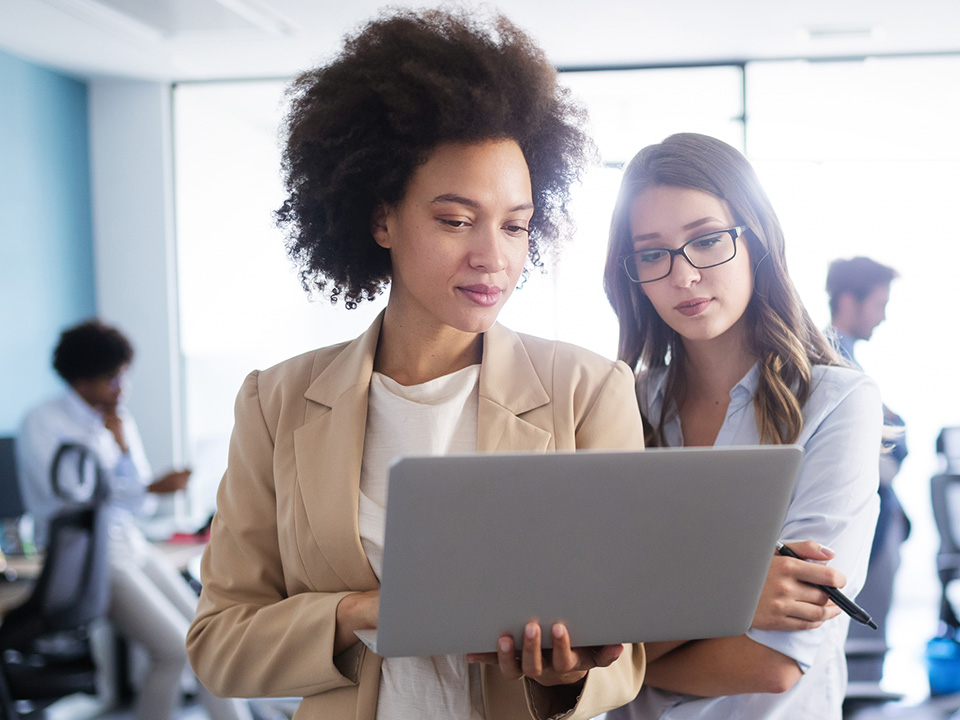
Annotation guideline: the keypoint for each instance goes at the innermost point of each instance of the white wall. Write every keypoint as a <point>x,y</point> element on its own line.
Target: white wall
<point>130,140</point>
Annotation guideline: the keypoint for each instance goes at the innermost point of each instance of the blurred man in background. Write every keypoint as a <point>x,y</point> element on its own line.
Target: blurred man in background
<point>859,290</point>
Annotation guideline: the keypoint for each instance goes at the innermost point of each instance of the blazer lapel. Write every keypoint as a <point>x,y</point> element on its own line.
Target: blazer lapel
<point>329,445</point>
<point>329,451</point>
<point>509,387</point>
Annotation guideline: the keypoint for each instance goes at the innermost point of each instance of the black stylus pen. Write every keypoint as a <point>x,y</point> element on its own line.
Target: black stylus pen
<point>842,601</point>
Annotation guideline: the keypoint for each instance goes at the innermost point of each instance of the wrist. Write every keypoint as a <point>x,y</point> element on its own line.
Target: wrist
<point>353,613</point>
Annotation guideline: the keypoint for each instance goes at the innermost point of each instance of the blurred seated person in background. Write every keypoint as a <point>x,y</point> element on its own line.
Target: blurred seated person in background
<point>150,602</point>
<point>859,289</point>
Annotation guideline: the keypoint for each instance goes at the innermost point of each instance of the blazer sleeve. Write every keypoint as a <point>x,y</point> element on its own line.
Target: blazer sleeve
<point>612,418</point>
<point>250,637</point>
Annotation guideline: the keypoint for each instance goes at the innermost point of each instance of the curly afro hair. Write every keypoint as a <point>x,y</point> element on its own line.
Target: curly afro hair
<point>360,126</point>
<point>91,350</point>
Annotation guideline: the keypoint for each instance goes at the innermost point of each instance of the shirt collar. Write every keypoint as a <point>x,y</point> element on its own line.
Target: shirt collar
<point>81,408</point>
<point>744,390</point>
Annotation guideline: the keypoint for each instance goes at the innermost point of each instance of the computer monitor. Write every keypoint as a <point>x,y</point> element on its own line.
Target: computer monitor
<point>11,503</point>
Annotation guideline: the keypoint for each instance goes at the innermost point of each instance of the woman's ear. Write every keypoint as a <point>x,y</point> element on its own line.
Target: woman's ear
<point>379,227</point>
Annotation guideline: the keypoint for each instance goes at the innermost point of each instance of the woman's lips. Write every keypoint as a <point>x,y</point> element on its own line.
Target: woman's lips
<point>483,295</point>
<point>693,307</point>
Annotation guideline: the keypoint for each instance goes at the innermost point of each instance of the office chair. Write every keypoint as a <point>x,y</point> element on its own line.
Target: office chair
<point>44,647</point>
<point>945,496</point>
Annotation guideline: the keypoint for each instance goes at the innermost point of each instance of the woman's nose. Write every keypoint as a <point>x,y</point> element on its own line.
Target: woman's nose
<point>683,273</point>
<point>487,252</point>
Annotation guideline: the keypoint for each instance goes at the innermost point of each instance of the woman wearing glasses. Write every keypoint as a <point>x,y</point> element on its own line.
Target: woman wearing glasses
<point>727,355</point>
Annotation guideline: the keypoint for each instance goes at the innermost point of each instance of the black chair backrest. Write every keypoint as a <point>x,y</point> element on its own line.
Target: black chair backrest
<point>11,503</point>
<point>945,498</point>
<point>73,587</point>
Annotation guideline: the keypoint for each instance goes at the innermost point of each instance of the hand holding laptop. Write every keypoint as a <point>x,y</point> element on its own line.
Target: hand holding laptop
<point>562,665</point>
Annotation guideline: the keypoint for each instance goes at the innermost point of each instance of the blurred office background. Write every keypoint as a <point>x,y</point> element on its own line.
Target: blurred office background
<point>139,169</point>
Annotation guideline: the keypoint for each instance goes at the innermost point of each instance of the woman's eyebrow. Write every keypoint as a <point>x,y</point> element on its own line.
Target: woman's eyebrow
<point>467,202</point>
<point>459,199</point>
<point>688,226</point>
<point>648,236</point>
<point>701,221</point>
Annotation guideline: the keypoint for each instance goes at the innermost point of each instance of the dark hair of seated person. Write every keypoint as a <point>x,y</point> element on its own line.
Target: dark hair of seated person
<point>91,350</point>
<point>359,126</point>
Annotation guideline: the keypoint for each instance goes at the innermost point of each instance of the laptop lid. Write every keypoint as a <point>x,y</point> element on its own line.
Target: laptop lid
<point>664,544</point>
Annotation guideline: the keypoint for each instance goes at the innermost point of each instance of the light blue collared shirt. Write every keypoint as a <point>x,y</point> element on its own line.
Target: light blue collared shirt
<point>69,419</point>
<point>835,503</point>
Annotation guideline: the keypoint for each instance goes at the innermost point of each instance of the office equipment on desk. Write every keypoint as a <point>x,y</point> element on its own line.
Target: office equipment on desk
<point>664,544</point>
<point>842,601</point>
<point>44,649</point>
<point>11,502</point>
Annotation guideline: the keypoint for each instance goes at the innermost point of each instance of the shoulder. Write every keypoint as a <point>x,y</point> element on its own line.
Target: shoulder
<point>558,359</point>
<point>298,371</point>
<point>831,385</point>
<point>286,382</point>
<point>841,396</point>
<point>52,412</point>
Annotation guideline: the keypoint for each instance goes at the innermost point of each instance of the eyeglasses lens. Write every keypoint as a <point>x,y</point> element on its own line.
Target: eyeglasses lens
<point>702,252</point>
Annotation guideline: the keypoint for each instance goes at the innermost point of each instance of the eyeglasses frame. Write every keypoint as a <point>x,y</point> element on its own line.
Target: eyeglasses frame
<point>735,233</point>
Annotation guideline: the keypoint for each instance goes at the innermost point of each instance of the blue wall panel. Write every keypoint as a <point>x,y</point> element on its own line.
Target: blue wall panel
<point>46,238</point>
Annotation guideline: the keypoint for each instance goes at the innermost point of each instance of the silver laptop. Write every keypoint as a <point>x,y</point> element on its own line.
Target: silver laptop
<point>664,544</point>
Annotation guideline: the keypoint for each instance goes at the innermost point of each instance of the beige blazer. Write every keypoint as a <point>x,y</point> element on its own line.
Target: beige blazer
<point>285,546</point>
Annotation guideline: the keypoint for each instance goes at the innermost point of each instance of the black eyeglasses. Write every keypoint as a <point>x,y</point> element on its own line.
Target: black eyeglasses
<point>705,251</point>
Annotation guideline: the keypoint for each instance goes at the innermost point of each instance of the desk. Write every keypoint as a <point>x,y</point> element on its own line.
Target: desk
<point>27,569</point>
<point>13,594</point>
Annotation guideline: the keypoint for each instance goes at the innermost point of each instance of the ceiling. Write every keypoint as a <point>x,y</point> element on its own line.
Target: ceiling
<point>232,39</point>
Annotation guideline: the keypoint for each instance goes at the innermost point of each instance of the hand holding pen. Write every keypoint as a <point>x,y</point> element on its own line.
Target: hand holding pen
<point>829,587</point>
<point>791,599</point>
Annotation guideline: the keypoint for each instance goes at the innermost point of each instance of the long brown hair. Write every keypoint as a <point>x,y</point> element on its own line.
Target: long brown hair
<point>781,333</point>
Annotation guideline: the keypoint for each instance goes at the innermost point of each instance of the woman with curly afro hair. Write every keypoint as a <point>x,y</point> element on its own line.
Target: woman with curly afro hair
<point>432,156</point>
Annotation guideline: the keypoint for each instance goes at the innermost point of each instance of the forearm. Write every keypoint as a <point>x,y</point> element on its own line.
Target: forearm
<point>723,666</point>
<point>285,648</point>
<point>656,650</point>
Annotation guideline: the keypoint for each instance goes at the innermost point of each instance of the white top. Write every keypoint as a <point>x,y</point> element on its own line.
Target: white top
<point>835,503</point>
<point>69,419</point>
<point>438,417</point>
